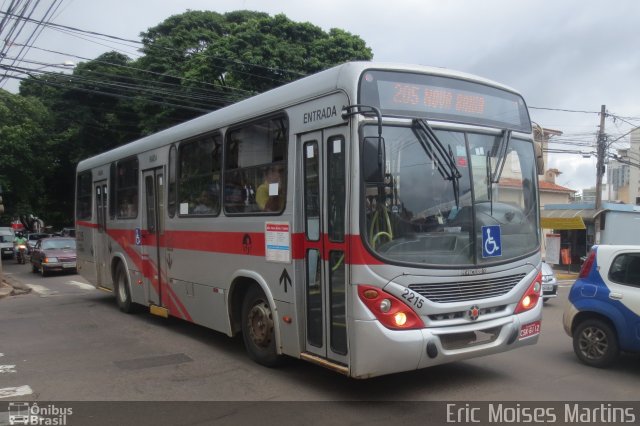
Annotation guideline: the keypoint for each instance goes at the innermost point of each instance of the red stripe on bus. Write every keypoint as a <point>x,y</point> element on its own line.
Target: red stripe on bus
<point>125,238</point>
<point>87,224</point>
<point>250,243</point>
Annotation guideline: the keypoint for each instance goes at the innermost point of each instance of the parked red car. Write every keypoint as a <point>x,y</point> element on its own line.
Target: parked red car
<point>54,254</point>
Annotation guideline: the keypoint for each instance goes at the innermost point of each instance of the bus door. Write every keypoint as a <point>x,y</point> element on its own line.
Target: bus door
<point>151,233</point>
<point>324,177</point>
<point>100,237</point>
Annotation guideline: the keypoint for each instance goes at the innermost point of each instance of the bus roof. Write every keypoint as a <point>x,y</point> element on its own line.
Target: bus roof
<point>339,78</point>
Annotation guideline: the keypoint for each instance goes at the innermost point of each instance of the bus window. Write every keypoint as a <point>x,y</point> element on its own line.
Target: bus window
<point>112,191</point>
<point>336,189</point>
<point>83,199</point>
<point>255,169</point>
<point>171,202</point>
<point>127,189</point>
<point>312,190</point>
<point>199,183</point>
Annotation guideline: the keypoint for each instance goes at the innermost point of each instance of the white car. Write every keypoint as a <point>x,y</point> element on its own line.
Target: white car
<point>549,282</point>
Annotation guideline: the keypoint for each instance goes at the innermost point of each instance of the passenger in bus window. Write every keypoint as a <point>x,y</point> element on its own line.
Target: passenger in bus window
<point>270,194</point>
<point>204,204</point>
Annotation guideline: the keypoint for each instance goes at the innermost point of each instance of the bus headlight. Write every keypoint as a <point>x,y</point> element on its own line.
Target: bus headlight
<point>400,319</point>
<point>392,312</point>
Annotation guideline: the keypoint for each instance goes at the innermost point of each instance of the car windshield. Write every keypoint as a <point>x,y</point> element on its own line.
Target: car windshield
<point>6,239</point>
<point>59,244</point>
<point>422,215</point>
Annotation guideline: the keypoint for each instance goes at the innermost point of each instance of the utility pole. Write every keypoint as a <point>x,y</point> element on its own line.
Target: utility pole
<point>601,151</point>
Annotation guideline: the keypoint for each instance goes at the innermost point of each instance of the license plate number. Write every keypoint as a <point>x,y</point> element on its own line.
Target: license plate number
<point>69,265</point>
<point>530,329</point>
<point>547,287</point>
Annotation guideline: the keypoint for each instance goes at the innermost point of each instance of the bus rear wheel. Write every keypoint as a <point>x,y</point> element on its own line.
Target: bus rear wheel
<point>258,328</point>
<point>123,293</point>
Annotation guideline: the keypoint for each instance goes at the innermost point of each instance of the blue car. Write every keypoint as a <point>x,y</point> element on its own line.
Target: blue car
<point>603,313</point>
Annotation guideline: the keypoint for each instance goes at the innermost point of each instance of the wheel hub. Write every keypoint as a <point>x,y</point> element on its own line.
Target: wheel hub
<point>260,324</point>
<point>593,343</point>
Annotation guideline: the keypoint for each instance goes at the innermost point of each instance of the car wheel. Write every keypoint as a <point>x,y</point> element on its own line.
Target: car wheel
<point>258,328</point>
<point>595,343</point>
<point>123,293</point>
<point>43,271</point>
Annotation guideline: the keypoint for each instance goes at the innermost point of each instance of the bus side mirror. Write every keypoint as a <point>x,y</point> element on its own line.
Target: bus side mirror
<point>537,147</point>
<point>373,159</point>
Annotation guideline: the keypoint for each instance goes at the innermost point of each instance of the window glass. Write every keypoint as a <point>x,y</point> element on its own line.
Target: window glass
<point>337,283</point>
<point>314,298</point>
<point>112,190</point>
<point>127,188</point>
<point>625,269</point>
<point>83,196</point>
<point>255,169</point>
<point>312,190</point>
<point>336,190</point>
<point>171,202</point>
<point>199,183</point>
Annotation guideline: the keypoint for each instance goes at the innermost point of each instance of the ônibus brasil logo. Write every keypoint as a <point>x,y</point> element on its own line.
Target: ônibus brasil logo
<point>25,413</point>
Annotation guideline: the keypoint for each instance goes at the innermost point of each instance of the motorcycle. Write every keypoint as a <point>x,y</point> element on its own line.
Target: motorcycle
<point>21,253</point>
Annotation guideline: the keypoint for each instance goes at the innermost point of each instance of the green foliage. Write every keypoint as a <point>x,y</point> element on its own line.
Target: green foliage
<point>25,124</point>
<point>192,63</point>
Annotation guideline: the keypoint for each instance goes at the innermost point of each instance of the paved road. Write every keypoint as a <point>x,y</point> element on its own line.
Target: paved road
<point>68,341</point>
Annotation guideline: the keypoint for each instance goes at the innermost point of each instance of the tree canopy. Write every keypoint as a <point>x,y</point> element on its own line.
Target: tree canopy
<point>191,63</point>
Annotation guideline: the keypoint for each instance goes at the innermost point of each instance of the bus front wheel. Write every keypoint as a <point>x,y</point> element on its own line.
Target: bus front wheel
<point>258,328</point>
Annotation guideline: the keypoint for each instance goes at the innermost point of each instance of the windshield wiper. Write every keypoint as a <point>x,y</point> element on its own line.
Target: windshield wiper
<point>501,158</point>
<point>501,155</point>
<point>444,161</point>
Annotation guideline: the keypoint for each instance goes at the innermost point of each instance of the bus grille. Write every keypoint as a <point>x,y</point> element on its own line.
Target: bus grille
<point>467,290</point>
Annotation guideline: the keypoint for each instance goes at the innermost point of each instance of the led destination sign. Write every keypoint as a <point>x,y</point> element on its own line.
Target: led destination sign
<point>442,98</point>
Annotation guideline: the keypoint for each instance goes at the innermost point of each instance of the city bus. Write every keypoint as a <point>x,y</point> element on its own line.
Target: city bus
<point>371,218</point>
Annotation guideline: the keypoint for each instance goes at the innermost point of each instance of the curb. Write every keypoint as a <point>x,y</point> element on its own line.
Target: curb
<point>567,276</point>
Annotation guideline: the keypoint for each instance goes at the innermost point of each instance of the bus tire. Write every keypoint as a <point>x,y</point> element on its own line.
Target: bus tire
<point>258,332</point>
<point>123,293</point>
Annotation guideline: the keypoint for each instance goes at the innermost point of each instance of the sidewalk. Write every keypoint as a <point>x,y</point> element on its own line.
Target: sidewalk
<point>11,286</point>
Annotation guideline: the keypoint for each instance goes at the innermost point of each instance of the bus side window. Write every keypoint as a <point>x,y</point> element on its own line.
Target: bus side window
<point>199,176</point>
<point>127,188</point>
<point>83,197</point>
<point>255,168</point>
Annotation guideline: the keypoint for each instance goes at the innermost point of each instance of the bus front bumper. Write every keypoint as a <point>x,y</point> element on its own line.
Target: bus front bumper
<point>377,350</point>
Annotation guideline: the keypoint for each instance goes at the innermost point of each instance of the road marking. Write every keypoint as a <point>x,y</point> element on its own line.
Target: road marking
<point>83,286</point>
<point>7,369</point>
<point>16,391</point>
<point>41,290</point>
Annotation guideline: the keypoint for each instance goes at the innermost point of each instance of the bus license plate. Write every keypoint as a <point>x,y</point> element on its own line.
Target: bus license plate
<point>530,329</point>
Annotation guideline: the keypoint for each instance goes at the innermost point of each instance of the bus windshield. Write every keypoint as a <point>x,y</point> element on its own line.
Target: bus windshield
<point>423,215</point>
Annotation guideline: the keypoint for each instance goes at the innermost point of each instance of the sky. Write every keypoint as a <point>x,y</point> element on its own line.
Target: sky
<point>562,56</point>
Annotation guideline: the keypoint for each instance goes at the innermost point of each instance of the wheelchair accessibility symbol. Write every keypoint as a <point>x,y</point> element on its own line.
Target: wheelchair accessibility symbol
<point>491,244</point>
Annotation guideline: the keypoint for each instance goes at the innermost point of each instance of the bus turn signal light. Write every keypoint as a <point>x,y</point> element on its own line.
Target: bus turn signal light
<point>389,310</point>
<point>531,296</point>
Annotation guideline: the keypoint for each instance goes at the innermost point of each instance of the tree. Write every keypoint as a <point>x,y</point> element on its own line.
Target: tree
<point>25,124</point>
<point>192,63</point>
<point>266,52</point>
